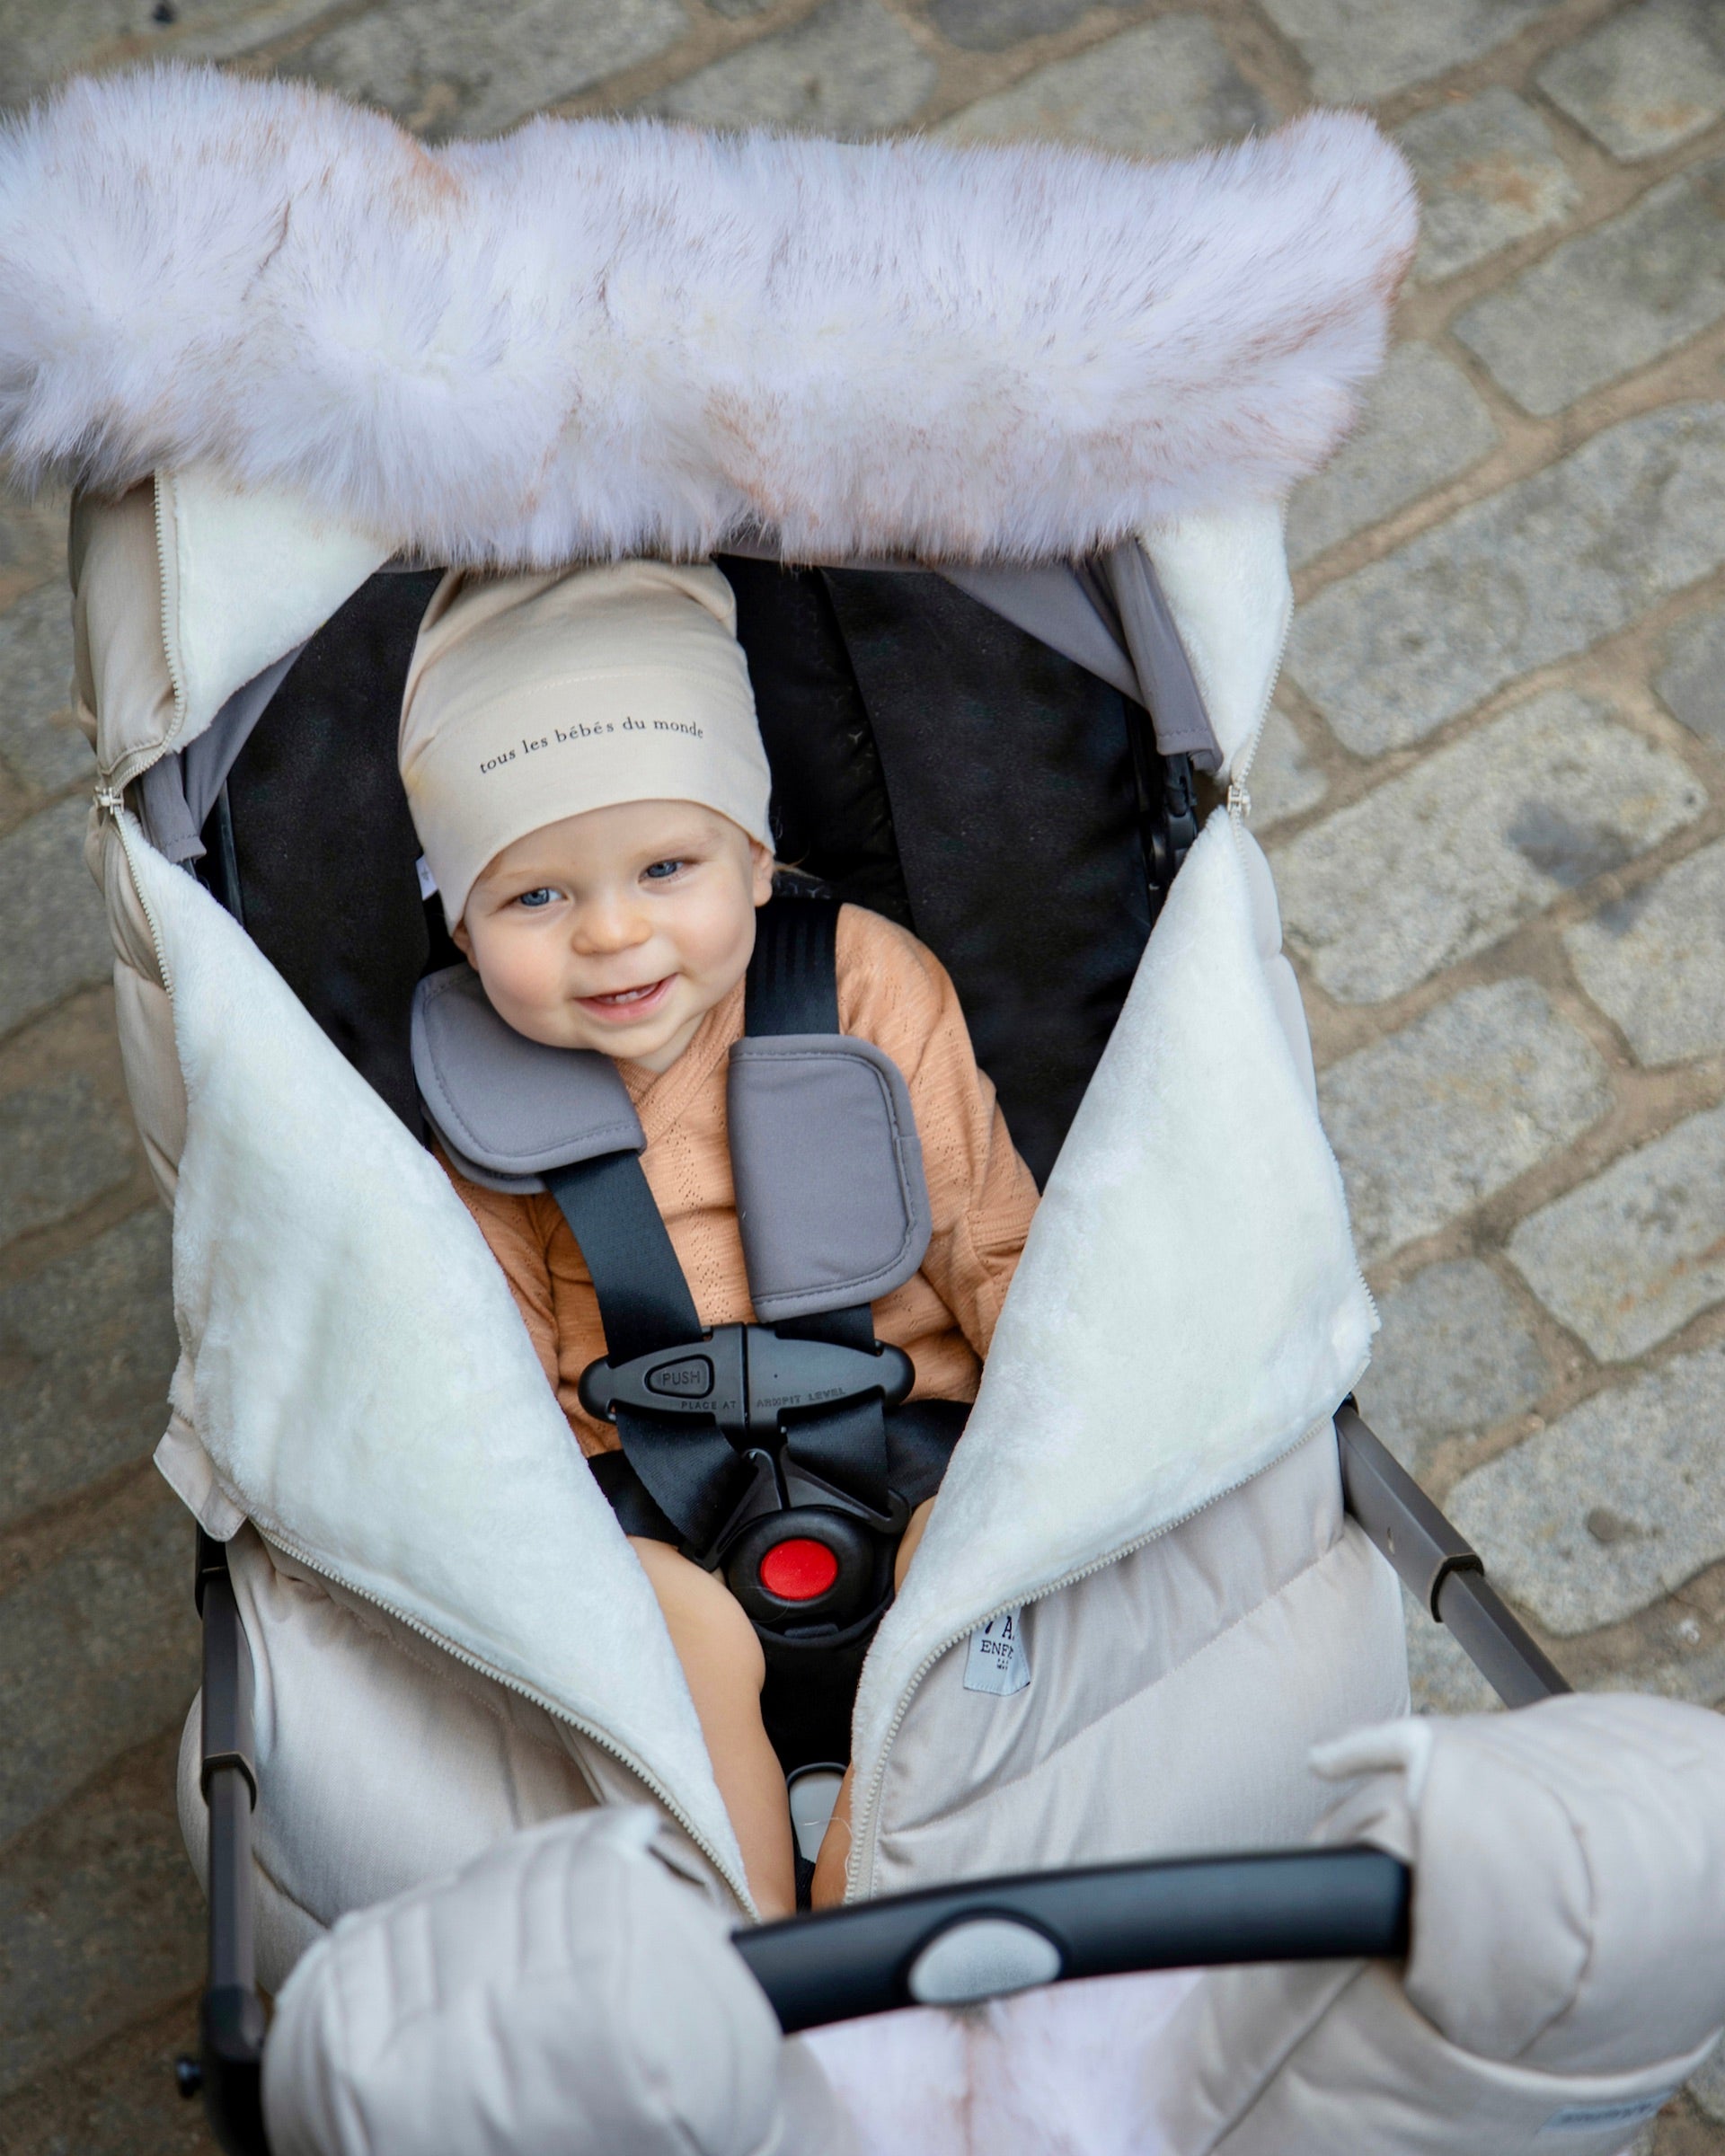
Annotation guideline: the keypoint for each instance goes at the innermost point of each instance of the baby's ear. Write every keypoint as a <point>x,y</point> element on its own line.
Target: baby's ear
<point>766,868</point>
<point>462,941</point>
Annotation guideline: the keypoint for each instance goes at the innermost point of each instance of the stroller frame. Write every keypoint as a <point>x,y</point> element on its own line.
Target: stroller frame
<point>1299,1905</point>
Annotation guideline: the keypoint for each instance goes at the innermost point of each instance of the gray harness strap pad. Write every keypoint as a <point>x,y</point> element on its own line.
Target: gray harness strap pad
<point>832,1203</point>
<point>506,1108</point>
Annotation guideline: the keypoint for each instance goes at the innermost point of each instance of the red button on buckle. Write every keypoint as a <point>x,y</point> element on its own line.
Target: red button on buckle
<point>799,1569</point>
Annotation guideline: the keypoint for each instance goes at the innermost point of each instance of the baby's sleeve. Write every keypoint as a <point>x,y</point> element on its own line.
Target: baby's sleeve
<point>895,992</point>
<point>507,1223</point>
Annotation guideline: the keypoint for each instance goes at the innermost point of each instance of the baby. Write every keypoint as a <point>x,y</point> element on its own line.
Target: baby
<point>586,778</point>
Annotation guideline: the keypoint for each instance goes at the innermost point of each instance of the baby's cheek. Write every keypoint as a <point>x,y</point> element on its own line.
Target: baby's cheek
<point>521,981</point>
<point>717,943</point>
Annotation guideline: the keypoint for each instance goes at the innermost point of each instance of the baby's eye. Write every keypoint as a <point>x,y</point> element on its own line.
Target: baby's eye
<point>660,869</point>
<point>532,900</point>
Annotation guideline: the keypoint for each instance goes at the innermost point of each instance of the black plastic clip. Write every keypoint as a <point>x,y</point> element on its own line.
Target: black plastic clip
<point>747,1378</point>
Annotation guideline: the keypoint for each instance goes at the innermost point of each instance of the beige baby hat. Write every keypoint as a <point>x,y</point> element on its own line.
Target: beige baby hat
<point>531,698</point>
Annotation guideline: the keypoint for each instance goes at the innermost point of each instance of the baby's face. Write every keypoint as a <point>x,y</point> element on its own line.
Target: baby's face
<point>618,929</point>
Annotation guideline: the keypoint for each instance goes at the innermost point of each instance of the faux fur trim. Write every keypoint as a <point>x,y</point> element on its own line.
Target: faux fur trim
<point>604,336</point>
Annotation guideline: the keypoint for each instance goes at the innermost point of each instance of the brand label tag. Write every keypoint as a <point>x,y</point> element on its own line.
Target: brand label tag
<point>428,882</point>
<point>996,1660</point>
<point>1627,2111</point>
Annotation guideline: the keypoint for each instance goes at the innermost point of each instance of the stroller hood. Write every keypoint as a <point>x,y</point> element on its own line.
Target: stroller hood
<point>616,337</point>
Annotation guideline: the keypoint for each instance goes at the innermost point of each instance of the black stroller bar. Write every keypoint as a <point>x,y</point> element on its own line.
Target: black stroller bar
<point>951,1945</point>
<point>1438,1567</point>
<point>228,2069</point>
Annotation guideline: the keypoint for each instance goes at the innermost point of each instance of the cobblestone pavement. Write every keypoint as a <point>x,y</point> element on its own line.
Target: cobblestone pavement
<point>1494,790</point>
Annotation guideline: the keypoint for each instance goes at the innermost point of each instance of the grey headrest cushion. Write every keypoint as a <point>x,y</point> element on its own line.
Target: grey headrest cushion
<point>505,1107</point>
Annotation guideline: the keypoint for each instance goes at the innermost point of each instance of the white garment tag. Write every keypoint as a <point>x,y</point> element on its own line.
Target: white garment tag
<point>996,1661</point>
<point>1627,2111</point>
<point>428,882</point>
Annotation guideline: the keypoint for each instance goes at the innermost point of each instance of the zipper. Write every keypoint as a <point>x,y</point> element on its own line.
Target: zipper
<point>1239,794</point>
<point>134,765</point>
<point>1058,1587</point>
<point>111,805</point>
<point>590,1730</point>
<point>160,481</point>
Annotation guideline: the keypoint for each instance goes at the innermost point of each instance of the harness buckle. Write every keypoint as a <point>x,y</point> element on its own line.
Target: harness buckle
<point>747,1378</point>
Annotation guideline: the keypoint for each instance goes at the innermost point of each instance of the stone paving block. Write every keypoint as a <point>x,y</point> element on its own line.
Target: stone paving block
<point>1440,1677</point>
<point>1362,49</point>
<point>1455,1355</point>
<point>43,40</point>
<point>1613,1505</point>
<point>32,535</point>
<point>1448,857</point>
<point>100,1652</point>
<point>1533,573</point>
<point>102,1916</point>
<point>449,68</point>
<point>1424,423</point>
<point>36,737</point>
<point>992,25</point>
<point>1698,1674</point>
<point>1631,1256</point>
<point>1452,1107</point>
<point>848,69</point>
<point>1610,300</point>
<point>1166,87</point>
<point>1284,781</point>
<point>1708,2087</point>
<point>1655,961</point>
<point>87,1346</point>
<point>119,2099</point>
<point>60,1146</point>
<point>1488,174</point>
<point>1691,684</point>
<point>1647,79</point>
<point>57,931</point>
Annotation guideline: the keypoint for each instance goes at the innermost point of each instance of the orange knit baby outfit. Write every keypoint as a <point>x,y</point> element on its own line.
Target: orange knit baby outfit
<point>891,992</point>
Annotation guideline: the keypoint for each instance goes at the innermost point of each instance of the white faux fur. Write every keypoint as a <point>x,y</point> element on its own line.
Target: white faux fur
<point>354,1376</point>
<point>1188,1304</point>
<point>612,336</point>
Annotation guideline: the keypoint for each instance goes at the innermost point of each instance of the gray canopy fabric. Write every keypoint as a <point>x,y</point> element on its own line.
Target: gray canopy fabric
<point>1108,615</point>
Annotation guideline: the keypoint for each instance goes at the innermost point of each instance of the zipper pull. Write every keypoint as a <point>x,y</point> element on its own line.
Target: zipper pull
<point>1239,802</point>
<point>110,802</point>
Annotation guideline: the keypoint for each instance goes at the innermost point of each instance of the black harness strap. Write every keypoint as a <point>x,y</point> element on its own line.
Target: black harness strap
<point>792,987</point>
<point>792,984</point>
<point>687,1465</point>
<point>682,1474</point>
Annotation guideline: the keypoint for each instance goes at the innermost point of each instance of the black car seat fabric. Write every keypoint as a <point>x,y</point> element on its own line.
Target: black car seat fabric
<point>322,842</point>
<point>930,761</point>
<point>1009,772</point>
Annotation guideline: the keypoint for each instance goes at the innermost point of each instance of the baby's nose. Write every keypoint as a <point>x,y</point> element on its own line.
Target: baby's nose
<point>613,925</point>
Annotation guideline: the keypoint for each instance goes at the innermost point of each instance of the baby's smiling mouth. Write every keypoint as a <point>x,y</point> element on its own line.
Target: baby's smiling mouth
<point>628,1002</point>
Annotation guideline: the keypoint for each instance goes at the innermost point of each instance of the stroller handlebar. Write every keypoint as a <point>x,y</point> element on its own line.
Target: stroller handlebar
<point>952,1946</point>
